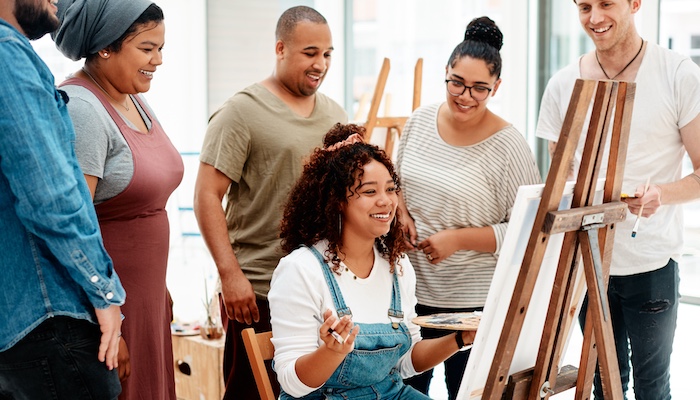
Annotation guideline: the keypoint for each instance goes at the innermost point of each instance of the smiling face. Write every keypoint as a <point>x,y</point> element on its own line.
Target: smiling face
<point>36,18</point>
<point>371,205</point>
<point>130,70</point>
<point>304,58</point>
<point>609,22</point>
<point>471,72</point>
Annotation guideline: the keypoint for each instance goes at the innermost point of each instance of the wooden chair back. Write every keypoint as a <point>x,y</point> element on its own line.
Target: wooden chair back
<point>259,348</point>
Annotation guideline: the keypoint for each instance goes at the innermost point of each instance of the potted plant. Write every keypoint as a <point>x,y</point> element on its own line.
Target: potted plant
<point>210,329</point>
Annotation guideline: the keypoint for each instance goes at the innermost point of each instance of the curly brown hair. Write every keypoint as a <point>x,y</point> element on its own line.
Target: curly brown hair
<point>315,202</point>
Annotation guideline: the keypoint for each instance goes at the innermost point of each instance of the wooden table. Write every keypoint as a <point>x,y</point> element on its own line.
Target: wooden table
<point>198,367</point>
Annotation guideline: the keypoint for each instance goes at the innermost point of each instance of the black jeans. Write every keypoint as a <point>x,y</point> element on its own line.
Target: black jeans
<point>643,311</point>
<point>454,366</point>
<point>57,360</point>
<point>238,376</point>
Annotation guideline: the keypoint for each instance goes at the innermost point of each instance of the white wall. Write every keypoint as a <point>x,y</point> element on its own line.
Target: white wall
<point>178,92</point>
<point>515,55</point>
<point>240,46</point>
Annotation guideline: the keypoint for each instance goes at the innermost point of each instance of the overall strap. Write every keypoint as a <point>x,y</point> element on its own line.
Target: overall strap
<point>101,97</point>
<point>141,103</point>
<point>338,300</point>
<point>395,312</point>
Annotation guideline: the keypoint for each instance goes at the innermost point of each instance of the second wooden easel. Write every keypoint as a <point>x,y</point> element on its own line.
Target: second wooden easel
<point>589,233</point>
<point>393,125</point>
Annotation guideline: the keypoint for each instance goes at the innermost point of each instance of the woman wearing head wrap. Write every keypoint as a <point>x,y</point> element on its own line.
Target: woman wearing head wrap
<point>461,166</point>
<point>131,168</point>
<point>342,302</point>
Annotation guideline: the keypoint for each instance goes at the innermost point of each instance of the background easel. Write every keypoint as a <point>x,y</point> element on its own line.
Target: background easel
<point>393,125</point>
<point>590,230</point>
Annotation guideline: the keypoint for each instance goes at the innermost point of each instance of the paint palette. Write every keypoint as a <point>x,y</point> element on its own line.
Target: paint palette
<point>450,321</point>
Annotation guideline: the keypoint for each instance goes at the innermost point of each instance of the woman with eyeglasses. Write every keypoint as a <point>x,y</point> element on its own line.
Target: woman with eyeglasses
<point>461,166</point>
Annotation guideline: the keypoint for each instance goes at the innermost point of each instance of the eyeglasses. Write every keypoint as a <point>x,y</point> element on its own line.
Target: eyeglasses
<point>457,88</point>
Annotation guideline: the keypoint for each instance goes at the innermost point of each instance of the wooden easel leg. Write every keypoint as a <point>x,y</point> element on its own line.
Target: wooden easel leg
<point>390,139</point>
<point>376,99</point>
<point>599,314</point>
<point>589,360</point>
<point>558,316</point>
<point>417,83</point>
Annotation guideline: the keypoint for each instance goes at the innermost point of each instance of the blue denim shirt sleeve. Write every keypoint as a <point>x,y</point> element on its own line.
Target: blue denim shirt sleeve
<point>37,159</point>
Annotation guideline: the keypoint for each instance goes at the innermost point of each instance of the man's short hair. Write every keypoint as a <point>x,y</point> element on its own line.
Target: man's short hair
<point>290,18</point>
<point>576,1</point>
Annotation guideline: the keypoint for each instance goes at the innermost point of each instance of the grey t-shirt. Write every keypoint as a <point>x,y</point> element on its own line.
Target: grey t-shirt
<point>100,147</point>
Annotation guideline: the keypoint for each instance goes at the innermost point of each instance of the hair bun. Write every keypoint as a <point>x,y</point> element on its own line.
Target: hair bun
<point>341,132</point>
<point>483,29</point>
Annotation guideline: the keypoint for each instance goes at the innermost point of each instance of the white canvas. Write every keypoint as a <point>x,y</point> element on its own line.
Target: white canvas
<point>501,290</point>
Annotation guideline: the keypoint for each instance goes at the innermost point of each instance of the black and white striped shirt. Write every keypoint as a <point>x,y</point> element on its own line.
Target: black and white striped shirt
<point>451,187</point>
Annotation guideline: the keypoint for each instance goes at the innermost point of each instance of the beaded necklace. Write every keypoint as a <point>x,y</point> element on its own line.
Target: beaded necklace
<point>348,266</point>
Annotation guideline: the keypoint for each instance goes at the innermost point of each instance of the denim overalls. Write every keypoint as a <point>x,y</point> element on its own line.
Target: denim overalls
<point>368,372</point>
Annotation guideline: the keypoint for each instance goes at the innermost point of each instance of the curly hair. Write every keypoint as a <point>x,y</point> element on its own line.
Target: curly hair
<point>313,209</point>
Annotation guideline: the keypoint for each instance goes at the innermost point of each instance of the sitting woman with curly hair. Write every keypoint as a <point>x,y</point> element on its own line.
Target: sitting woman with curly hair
<point>343,299</point>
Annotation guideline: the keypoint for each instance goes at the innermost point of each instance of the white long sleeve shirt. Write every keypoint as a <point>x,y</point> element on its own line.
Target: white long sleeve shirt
<point>299,291</point>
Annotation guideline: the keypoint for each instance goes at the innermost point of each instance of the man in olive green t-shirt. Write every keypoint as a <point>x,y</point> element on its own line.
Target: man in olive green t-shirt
<point>252,153</point>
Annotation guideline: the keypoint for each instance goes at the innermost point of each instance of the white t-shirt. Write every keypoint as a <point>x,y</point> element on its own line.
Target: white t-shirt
<point>299,291</point>
<point>667,98</point>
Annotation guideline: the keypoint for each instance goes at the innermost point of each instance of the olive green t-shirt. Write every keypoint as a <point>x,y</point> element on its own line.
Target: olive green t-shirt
<point>260,144</point>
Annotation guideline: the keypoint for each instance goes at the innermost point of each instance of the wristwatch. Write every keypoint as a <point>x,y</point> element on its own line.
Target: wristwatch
<point>460,342</point>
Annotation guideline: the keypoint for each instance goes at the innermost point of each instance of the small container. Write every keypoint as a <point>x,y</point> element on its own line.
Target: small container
<point>211,331</point>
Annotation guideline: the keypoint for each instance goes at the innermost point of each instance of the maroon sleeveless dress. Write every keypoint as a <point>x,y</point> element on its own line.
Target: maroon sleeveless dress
<point>136,235</point>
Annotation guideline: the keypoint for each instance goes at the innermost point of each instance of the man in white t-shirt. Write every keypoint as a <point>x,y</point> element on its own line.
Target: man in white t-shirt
<point>643,288</point>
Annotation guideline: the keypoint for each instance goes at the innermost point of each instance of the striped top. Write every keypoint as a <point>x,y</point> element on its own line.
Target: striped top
<point>452,187</point>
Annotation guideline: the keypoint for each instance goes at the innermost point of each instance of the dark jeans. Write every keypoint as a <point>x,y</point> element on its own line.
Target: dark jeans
<point>238,377</point>
<point>57,360</point>
<point>454,366</point>
<point>643,310</point>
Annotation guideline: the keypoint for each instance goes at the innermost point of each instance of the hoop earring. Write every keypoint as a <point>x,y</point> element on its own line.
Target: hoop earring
<point>340,225</point>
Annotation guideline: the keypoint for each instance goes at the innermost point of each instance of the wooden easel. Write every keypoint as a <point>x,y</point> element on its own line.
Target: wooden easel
<point>393,125</point>
<point>589,234</point>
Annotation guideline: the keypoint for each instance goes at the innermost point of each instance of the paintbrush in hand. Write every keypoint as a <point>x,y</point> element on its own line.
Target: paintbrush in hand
<point>639,214</point>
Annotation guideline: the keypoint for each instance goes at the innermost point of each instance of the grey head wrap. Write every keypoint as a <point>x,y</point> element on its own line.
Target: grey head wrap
<point>88,26</point>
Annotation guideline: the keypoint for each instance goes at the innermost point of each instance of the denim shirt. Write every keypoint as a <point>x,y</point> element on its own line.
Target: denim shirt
<point>52,260</point>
